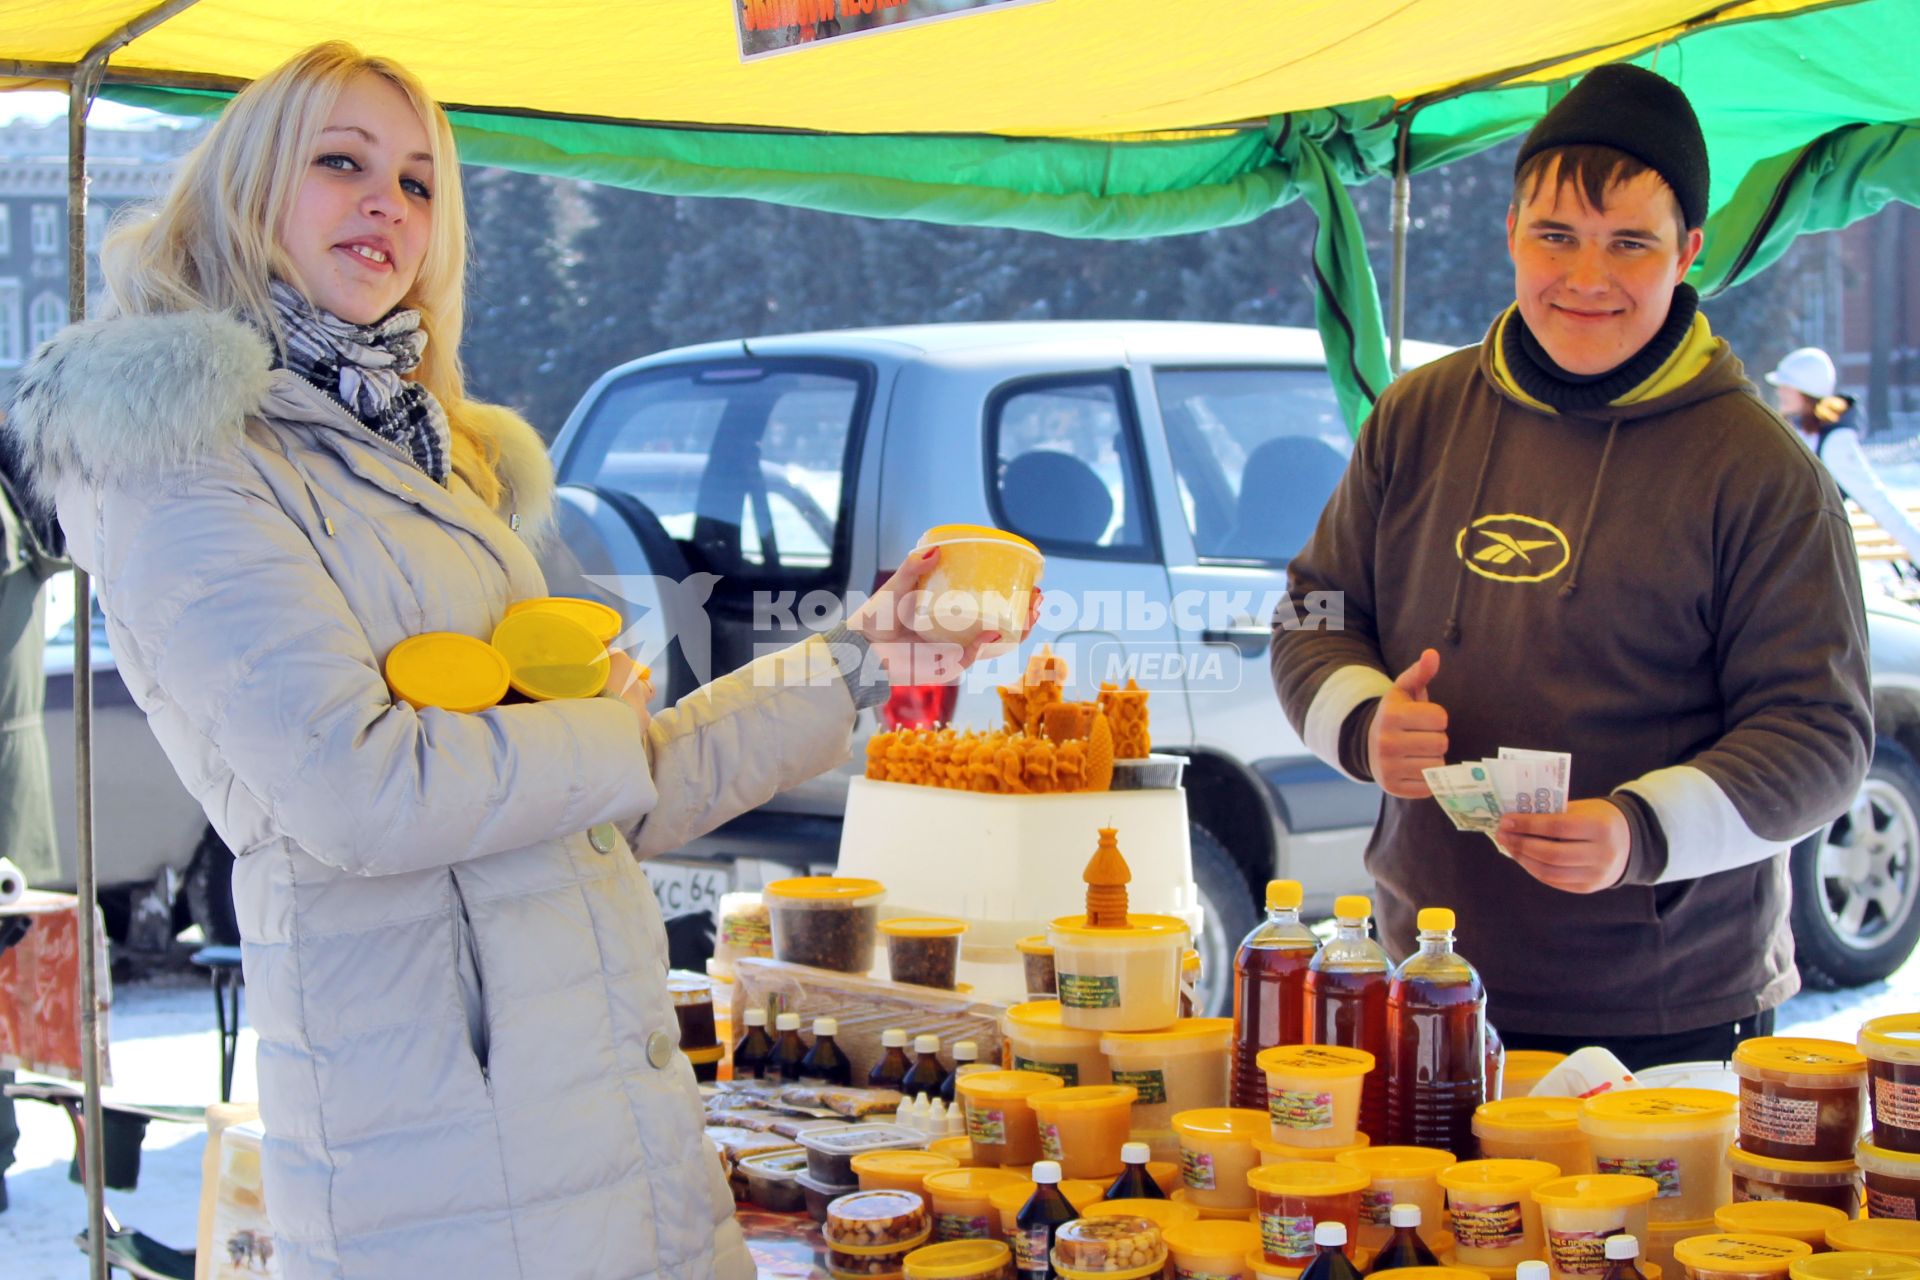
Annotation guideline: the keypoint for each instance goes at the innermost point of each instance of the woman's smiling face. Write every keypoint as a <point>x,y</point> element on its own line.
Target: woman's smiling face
<point>359,223</point>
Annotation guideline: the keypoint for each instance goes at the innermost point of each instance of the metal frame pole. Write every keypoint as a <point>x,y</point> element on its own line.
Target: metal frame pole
<point>1402,213</point>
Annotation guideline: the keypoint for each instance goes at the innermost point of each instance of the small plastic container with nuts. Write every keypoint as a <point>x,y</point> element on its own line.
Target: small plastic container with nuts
<point>877,1220</point>
<point>1115,1248</point>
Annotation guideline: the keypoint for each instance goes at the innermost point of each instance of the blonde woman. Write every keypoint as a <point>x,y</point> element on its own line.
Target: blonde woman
<point>264,455</point>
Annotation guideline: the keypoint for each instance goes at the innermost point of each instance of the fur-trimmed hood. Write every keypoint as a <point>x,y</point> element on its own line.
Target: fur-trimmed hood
<point>125,397</point>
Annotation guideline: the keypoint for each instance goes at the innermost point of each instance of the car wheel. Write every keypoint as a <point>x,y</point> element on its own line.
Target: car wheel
<point>209,891</point>
<point>1227,912</point>
<point>1856,887</point>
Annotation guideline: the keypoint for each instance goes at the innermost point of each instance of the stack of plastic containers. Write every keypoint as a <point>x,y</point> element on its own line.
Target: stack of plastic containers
<point>1890,1161</point>
<point>1802,1106</point>
<point>1678,1138</point>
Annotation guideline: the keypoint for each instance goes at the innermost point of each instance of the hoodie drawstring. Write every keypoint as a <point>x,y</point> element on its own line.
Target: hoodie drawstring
<point>1572,583</point>
<point>1451,632</point>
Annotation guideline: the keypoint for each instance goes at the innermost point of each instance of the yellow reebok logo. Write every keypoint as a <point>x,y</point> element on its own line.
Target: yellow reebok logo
<point>1513,548</point>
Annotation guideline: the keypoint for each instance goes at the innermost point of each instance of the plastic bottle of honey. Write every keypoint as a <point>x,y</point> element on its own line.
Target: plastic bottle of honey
<point>751,1055</point>
<point>1404,1248</point>
<point>1347,1003</point>
<point>1436,1026</point>
<point>893,1066</point>
<point>927,1074</point>
<point>788,1050</point>
<point>1623,1252</point>
<point>1330,1261</point>
<point>1270,990</point>
<point>825,1063</point>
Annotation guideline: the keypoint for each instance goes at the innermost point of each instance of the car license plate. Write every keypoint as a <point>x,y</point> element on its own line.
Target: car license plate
<point>687,888</point>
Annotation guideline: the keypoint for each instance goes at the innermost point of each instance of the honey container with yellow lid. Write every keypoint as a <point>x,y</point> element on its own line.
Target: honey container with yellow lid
<point>1800,1099</point>
<point>1677,1137</point>
<point>550,656</point>
<point>447,670</point>
<point>1738,1257</point>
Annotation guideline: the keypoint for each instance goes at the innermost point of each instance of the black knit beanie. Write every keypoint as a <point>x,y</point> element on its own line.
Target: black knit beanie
<point>1632,110</point>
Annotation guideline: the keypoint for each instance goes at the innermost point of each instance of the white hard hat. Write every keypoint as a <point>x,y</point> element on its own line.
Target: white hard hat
<point>1808,371</point>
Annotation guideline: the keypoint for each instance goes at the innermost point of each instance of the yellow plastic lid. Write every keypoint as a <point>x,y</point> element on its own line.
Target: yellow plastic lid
<point>601,620</point>
<point>1224,1236</point>
<point>447,670</point>
<point>1746,1254</point>
<point>1768,1164</point>
<point>1000,1086</point>
<point>1537,1062</point>
<point>1185,1029</point>
<point>1161,1213</point>
<point>902,1164</point>
<point>1232,1123</point>
<point>1885,1161</point>
<point>1316,1060</point>
<point>1650,1110</point>
<point>1138,926</point>
<point>1799,1219</point>
<point>1308,1178</point>
<point>1257,1263</point>
<point>701,1057</point>
<point>1398,1162</point>
<point>958,1148</point>
<point>1854,1265</point>
<point>1035,945</point>
<point>1190,960</point>
<point>1038,1015</point>
<point>1284,895</point>
<point>1894,1037</point>
<point>1440,1273</point>
<point>923,927</point>
<point>961,532</point>
<point>1876,1235</point>
<point>1086,1097</point>
<point>970,1184</point>
<point>1800,1056</point>
<point>1497,1177</point>
<point>551,656</point>
<point>957,1259</point>
<point>1535,1116</point>
<point>1282,1151</point>
<point>1435,920</point>
<point>1352,906</point>
<point>825,889</point>
<point>1596,1191</point>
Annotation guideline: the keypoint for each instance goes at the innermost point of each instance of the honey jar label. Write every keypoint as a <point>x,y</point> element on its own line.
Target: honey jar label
<point>1580,1252</point>
<point>1294,1110</point>
<point>961,1226</point>
<point>1285,1236</point>
<point>1188,1273</point>
<point>1197,1168</point>
<point>1030,1251</point>
<point>1489,1226</point>
<point>1376,1208</point>
<point>748,933</point>
<point>986,1126</point>
<point>1067,1071</point>
<point>1773,1118</point>
<point>1151,1085</point>
<point>1050,1148</point>
<point>1089,990</point>
<point>1664,1170</point>
<point>1882,1205</point>
<point>1896,1105</point>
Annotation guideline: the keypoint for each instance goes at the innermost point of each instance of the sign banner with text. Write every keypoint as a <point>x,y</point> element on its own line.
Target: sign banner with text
<point>775,26</point>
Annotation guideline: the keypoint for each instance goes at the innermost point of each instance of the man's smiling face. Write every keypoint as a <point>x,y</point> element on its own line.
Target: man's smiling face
<point>1595,285</point>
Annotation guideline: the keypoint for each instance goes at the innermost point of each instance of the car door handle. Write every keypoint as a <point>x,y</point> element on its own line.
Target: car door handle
<point>1249,640</point>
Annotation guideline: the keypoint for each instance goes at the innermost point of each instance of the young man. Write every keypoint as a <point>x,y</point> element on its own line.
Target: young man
<point>1588,535</point>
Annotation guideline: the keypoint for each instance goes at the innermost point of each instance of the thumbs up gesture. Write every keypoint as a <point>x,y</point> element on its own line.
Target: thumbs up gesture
<point>1409,732</point>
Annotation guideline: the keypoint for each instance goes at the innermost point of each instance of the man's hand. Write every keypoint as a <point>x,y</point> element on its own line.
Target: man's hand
<point>1409,732</point>
<point>1583,850</point>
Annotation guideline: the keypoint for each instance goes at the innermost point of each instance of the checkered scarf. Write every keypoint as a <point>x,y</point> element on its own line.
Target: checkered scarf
<point>361,364</point>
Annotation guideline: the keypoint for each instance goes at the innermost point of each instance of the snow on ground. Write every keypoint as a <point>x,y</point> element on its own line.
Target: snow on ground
<point>164,1049</point>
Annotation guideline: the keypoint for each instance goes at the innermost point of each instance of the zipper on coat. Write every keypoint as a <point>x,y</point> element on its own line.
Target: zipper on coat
<point>466,966</point>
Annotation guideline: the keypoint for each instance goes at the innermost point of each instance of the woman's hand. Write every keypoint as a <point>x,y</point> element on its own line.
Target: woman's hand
<point>630,683</point>
<point>909,654</point>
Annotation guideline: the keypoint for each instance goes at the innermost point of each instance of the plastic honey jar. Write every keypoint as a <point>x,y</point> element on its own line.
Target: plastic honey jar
<point>1397,1175</point>
<point>1292,1199</point>
<point>1578,1214</point>
<point>1494,1217</point>
<point>1800,1099</point>
<point>1677,1137</point>
<point>1832,1182</point>
<point>1738,1257</point>
<point>1534,1129</point>
<point>1892,1048</point>
<point>1041,1040</point>
<point>1794,1219</point>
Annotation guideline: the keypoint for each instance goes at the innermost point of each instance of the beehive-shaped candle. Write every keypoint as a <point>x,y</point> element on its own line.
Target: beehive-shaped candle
<point>1107,875</point>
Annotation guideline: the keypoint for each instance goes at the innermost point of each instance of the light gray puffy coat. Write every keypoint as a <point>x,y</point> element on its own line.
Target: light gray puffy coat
<point>454,964</point>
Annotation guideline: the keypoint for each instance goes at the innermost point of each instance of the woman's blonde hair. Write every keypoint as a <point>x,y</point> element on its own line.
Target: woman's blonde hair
<point>212,241</point>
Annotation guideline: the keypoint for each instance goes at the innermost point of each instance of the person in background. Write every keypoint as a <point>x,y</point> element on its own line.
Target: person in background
<point>1804,387</point>
<point>31,551</point>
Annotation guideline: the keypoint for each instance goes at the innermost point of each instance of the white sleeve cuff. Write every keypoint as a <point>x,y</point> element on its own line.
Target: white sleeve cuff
<point>1335,700</point>
<point>1705,833</point>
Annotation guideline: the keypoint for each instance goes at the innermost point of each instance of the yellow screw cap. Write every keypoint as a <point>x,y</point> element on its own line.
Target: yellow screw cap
<point>1284,895</point>
<point>1436,920</point>
<point>1353,906</point>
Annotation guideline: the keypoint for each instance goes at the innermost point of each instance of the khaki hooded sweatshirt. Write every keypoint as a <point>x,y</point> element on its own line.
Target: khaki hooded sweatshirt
<point>1667,588</point>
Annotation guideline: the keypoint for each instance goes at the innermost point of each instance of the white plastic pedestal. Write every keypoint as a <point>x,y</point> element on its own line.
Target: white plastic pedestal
<point>1008,865</point>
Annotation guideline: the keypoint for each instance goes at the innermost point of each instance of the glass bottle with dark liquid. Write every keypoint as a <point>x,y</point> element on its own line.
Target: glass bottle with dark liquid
<point>1347,1003</point>
<point>788,1050</point>
<point>1134,1182</point>
<point>1330,1261</point>
<point>965,1053</point>
<point>1270,990</point>
<point>1623,1252</point>
<point>927,1074</point>
<point>1039,1220</point>
<point>893,1066</point>
<point>751,1055</point>
<point>1404,1248</point>
<point>825,1063</point>
<point>1436,1025</point>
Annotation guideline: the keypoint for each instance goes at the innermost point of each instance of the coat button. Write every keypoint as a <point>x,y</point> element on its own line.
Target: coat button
<point>604,837</point>
<point>659,1049</point>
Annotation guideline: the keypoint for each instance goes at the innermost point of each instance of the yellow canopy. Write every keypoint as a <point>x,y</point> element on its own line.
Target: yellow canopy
<point>1061,68</point>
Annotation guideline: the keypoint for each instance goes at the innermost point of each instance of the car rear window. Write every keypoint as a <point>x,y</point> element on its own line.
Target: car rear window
<point>741,461</point>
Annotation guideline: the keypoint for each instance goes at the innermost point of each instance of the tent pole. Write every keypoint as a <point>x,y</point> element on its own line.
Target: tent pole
<point>80,91</point>
<point>1402,203</point>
